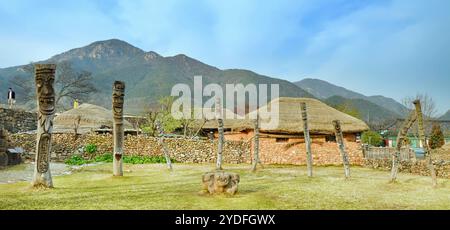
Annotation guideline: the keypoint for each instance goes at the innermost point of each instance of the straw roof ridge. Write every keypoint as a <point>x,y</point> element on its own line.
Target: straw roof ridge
<point>91,117</point>
<point>320,117</point>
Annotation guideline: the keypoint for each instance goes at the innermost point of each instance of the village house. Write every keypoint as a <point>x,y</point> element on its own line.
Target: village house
<point>87,118</point>
<point>284,144</point>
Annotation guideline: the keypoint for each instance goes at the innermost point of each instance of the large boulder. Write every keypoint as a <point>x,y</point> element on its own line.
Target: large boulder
<point>220,182</point>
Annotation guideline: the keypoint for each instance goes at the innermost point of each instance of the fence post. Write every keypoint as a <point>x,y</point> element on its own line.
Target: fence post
<point>400,139</point>
<point>219,118</point>
<point>423,141</point>
<point>163,145</point>
<point>340,141</point>
<point>309,162</point>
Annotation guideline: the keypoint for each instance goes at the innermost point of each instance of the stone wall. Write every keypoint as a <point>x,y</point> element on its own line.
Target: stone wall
<point>419,167</point>
<point>188,151</point>
<point>200,151</point>
<point>324,153</point>
<point>17,121</point>
<point>274,150</point>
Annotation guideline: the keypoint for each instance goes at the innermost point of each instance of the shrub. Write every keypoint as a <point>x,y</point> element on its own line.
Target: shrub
<point>76,160</point>
<point>108,158</point>
<point>437,137</point>
<point>90,148</point>
<point>372,138</point>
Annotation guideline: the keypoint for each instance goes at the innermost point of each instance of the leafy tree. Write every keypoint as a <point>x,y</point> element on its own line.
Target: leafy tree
<point>372,138</point>
<point>163,115</point>
<point>437,137</point>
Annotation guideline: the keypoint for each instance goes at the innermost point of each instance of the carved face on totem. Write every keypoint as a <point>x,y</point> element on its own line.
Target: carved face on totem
<point>118,95</point>
<point>45,92</point>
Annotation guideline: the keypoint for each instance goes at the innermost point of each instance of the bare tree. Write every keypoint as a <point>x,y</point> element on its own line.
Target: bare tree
<point>427,103</point>
<point>70,84</point>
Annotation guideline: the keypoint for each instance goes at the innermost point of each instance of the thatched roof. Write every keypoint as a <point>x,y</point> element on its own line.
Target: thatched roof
<point>92,117</point>
<point>320,117</point>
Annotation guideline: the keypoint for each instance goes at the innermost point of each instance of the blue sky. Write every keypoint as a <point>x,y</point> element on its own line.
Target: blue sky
<point>395,48</point>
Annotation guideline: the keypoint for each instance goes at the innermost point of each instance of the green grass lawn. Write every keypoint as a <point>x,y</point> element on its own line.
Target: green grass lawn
<point>274,187</point>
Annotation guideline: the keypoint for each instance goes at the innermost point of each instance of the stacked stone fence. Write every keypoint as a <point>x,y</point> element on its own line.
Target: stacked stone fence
<point>381,158</point>
<point>419,167</point>
<point>16,120</point>
<point>182,150</point>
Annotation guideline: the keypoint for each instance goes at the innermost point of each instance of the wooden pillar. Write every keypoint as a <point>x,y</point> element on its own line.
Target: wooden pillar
<point>256,145</point>
<point>45,77</point>
<point>163,145</point>
<point>400,139</point>
<point>309,161</point>
<point>118,132</point>
<point>219,117</point>
<point>423,141</point>
<point>340,142</point>
<point>3,147</point>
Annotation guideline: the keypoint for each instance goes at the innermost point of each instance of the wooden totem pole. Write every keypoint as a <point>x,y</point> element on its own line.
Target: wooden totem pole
<point>45,77</point>
<point>340,142</point>
<point>219,118</point>
<point>309,161</point>
<point>3,146</point>
<point>256,145</point>
<point>163,145</point>
<point>423,142</point>
<point>400,139</point>
<point>117,110</point>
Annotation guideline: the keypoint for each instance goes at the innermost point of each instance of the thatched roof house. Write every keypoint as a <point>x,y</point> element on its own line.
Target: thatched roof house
<point>284,143</point>
<point>92,118</point>
<point>320,117</point>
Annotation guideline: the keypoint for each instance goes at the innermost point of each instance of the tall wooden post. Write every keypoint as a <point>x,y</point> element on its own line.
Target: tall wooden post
<point>3,147</point>
<point>256,145</point>
<point>117,109</point>
<point>45,77</point>
<point>340,142</point>
<point>163,145</point>
<point>400,139</point>
<point>423,141</point>
<point>309,161</point>
<point>219,117</point>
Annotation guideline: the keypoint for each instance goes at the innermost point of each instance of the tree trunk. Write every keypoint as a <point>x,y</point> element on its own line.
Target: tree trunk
<point>309,161</point>
<point>163,145</point>
<point>45,77</point>
<point>117,107</point>
<point>256,145</point>
<point>340,142</point>
<point>423,141</point>
<point>400,139</point>
<point>219,118</point>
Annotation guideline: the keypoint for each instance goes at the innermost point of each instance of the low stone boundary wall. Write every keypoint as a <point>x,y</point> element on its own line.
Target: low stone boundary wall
<point>182,150</point>
<point>419,167</point>
<point>15,120</point>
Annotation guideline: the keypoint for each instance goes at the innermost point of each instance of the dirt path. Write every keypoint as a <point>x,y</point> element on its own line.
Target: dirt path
<point>24,172</point>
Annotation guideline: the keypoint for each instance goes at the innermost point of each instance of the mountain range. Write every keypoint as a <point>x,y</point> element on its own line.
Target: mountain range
<point>323,90</point>
<point>150,76</point>
<point>446,116</point>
